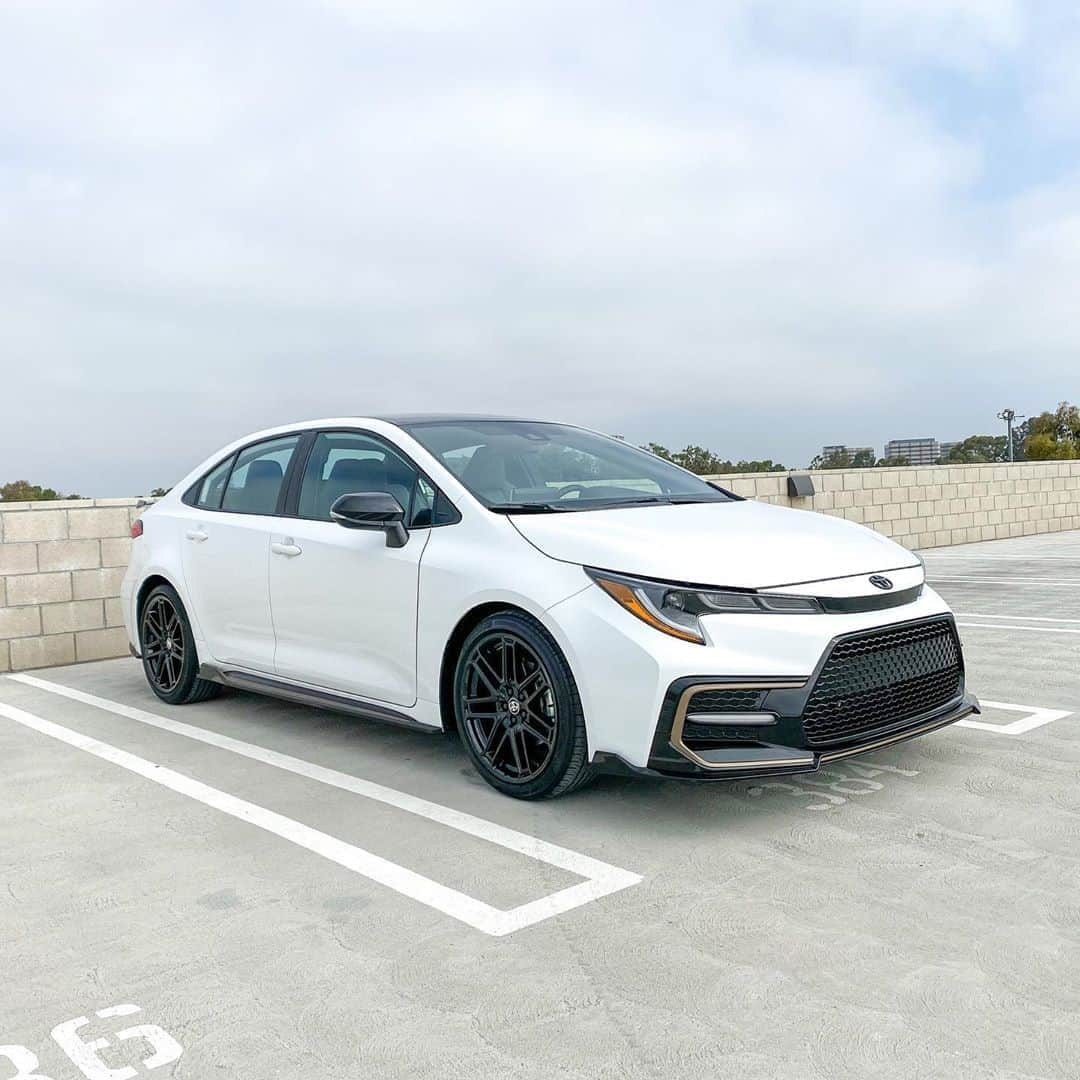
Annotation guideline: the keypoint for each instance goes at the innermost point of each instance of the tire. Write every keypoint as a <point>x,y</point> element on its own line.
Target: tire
<point>518,710</point>
<point>167,645</point>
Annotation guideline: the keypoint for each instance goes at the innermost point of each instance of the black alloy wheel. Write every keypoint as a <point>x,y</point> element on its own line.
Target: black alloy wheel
<point>518,709</point>
<point>162,643</point>
<point>167,646</point>
<point>509,707</point>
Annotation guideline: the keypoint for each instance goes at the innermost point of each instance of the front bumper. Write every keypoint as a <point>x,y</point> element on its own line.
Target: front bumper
<point>672,757</point>
<point>869,690</point>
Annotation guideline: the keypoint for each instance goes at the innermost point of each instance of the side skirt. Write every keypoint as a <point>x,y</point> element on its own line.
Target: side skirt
<point>317,699</point>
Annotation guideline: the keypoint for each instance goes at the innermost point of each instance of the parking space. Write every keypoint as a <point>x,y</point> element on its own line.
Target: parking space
<point>284,892</point>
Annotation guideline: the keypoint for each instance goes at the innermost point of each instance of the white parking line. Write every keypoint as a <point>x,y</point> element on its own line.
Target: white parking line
<point>1074,584</point>
<point>1011,626</point>
<point>602,879</point>
<point>1021,618</point>
<point>1023,558</point>
<point>1033,717</point>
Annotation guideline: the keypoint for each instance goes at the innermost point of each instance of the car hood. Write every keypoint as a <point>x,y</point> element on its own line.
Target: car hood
<point>733,544</point>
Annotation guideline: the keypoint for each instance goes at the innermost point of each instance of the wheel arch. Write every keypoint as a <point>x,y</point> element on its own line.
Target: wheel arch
<point>465,626</point>
<point>147,586</point>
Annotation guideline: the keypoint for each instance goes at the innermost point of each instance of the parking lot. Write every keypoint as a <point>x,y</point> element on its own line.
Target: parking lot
<point>283,892</point>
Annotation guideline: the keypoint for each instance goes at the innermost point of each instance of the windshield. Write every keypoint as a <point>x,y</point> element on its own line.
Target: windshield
<point>522,466</point>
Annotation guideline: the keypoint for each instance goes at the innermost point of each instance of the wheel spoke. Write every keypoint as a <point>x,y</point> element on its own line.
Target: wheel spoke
<point>526,726</point>
<point>494,749</point>
<point>537,717</point>
<point>486,672</point>
<point>523,696</point>
<point>509,660</point>
<point>496,727</point>
<point>518,763</point>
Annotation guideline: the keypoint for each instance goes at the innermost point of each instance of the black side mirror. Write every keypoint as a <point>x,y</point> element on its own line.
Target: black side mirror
<point>377,510</point>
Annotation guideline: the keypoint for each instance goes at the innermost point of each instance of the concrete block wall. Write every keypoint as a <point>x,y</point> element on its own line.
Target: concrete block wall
<point>61,564</point>
<point>939,504</point>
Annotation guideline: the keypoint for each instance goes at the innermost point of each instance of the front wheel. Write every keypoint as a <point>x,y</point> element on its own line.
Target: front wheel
<point>518,710</point>
<point>168,652</point>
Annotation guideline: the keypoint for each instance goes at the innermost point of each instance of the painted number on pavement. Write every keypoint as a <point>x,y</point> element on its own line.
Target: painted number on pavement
<point>160,1048</point>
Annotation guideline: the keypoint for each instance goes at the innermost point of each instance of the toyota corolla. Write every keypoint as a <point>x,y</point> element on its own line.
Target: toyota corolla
<point>565,603</point>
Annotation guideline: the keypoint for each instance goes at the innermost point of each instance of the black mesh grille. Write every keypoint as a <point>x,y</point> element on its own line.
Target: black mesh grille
<point>720,701</point>
<point>704,736</point>
<point>882,678</point>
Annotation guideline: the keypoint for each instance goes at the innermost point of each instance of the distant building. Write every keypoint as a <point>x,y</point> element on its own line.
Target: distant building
<point>917,451</point>
<point>851,451</point>
<point>946,447</point>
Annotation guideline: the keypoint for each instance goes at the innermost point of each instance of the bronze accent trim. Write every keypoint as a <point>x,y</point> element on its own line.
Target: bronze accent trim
<point>679,721</point>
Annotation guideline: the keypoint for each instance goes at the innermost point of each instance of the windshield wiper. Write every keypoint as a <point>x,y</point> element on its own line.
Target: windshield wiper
<point>646,500</point>
<point>528,508</point>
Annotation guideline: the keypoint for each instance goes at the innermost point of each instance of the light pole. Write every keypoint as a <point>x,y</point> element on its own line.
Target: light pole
<point>1009,415</point>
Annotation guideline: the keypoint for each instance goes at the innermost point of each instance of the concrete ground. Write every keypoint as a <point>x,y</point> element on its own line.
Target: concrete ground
<point>915,914</point>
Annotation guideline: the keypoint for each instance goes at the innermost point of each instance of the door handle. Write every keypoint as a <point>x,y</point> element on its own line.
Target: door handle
<point>290,551</point>
<point>197,535</point>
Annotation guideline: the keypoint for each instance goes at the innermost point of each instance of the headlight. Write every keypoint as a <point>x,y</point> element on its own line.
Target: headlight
<point>674,609</point>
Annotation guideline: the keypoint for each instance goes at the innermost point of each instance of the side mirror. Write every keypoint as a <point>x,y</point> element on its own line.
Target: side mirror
<point>376,510</point>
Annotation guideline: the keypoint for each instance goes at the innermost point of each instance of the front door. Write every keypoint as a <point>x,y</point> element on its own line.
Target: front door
<point>344,602</point>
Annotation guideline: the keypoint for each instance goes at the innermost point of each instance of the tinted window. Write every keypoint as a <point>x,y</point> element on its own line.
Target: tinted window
<point>348,463</point>
<point>256,480</point>
<point>514,463</point>
<point>212,485</point>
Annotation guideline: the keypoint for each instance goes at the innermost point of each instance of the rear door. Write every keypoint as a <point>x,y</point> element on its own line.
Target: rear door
<point>344,603</point>
<point>226,548</point>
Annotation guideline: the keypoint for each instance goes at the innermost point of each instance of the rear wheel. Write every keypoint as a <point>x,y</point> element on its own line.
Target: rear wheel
<point>168,650</point>
<point>518,709</point>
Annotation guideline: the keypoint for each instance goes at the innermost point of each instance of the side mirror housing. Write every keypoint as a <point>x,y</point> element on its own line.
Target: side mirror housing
<point>373,510</point>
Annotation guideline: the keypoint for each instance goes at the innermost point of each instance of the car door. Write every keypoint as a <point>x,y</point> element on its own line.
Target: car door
<point>226,548</point>
<point>345,602</point>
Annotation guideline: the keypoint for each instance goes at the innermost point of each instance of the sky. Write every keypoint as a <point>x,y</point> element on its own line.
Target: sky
<point>754,225</point>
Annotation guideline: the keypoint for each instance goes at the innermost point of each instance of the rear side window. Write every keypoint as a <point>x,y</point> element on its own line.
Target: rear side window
<point>212,485</point>
<point>258,476</point>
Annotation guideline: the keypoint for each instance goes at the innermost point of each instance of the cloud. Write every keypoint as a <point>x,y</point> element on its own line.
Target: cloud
<point>738,225</point>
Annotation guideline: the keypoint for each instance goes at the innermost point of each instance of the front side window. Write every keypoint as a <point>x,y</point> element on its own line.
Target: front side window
<point>349,463</point>
<point>258,475</point>
<point>529,465</point>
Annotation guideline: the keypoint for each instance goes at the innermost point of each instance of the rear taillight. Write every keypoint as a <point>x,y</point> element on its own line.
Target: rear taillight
<point>136,529</point>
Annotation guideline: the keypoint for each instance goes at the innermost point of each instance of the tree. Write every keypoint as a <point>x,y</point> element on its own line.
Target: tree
<point>158,492</point>
<point>766,465</point>
<point>976,448</point>
<point>705,463</point>
<point>838,459</point>
<point>896,462</point>
<point>24,491</point>
<point>1054,435</point>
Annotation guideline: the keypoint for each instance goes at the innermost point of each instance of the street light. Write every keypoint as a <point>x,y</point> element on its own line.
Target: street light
<point>1009,415</point>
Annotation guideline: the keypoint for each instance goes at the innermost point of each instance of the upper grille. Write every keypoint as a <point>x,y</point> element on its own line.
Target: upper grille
<point>720,701</point>
<point>884,677</point>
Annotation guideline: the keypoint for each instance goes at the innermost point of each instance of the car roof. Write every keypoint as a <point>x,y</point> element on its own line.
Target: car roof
<point>407,419</point>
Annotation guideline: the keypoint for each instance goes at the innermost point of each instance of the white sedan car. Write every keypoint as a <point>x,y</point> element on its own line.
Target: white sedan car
<point>566,603</point>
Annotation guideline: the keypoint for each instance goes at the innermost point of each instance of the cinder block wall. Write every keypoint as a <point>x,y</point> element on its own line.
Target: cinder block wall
<point>61,562</point>
<point>60,569</point>
<point>937,505</point>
